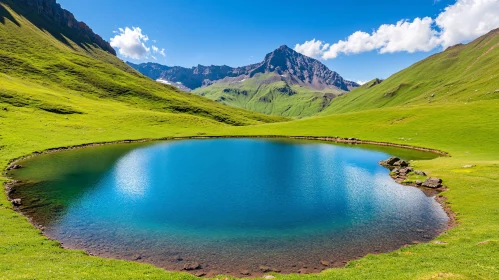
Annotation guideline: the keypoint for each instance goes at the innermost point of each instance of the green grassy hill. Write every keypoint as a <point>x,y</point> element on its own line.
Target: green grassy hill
<point>266,93</point>
<point>70,75</point>
<point>57,93</point>
<point>462,74</point>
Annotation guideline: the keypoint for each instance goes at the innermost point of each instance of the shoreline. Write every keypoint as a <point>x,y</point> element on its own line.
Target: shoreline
<point>438,198</point>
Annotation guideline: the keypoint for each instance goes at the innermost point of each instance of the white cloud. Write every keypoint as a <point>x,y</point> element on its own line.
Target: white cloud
<point>157,50</point>
<point>132,43</point>
<point>361,82</point>
<point>312,48</point>
<point>465,20</point>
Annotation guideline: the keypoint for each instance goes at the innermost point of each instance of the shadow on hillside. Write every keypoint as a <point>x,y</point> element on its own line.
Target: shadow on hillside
<point>6,15</point>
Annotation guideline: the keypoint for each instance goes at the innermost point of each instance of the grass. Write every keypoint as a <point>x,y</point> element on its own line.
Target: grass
<point>266,93</point>
<point>55,95</point>
<point>462,74</point>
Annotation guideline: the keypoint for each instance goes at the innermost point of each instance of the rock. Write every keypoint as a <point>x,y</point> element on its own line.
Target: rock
<point>137,257</point>
<point>418,183</point>
<point>405,171</point>
<point>5,109</point>
<point>15,166</point>
<point>433,95</point>
<point>469,166</point>
<point>177,258</point>
<point>264,268</point>
<point>303,271</point>
<point>192,266</point>
<point>432,183</point>
<point>419,172</point>
<point>396,171</point>
<point>268,277</point>
<point>402,163</point>
<point>276,270</point>
<point>17,202</point>
<point>245,272</point>
<point>325,263</point>
<point>440,242</point>
<point>199,274</point>
<point>389,161</point>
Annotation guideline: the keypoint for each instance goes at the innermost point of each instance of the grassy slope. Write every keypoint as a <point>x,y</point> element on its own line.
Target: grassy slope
<point>469,131</point>
<point>462,73</point>
<point>261,94</point>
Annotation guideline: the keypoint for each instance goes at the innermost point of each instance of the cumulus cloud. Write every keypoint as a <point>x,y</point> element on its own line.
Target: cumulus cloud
<point>313,48</point>
<point>132,43</point>
<point>360,82</point>
<point>465,20</point>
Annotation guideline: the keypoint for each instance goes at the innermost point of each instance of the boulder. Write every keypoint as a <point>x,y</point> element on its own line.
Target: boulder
<point>432,183</point>
<point>401,163</point>
<point>17,202</point>
<point>192,266</point>
<point>418,182</point>
<point>419,172</point>
<point>389,161</point>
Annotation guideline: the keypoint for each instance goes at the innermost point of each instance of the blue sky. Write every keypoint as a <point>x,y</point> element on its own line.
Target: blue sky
<point>238,33</point>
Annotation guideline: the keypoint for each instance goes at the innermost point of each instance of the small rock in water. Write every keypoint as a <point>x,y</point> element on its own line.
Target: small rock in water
<point>325,263</point>
<point>192,266</point>
<point>137,257</point>
<point>17,202</point>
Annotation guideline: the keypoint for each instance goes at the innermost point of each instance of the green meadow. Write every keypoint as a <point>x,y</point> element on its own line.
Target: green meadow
<point>58,93</point>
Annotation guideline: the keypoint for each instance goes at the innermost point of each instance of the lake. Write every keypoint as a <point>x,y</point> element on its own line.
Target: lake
<point>228,204</point>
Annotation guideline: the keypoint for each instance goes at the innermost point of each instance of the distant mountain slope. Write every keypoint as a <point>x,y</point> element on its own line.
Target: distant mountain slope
<point>285,83</point>
<point>62,59</point>
<point>462,73</point>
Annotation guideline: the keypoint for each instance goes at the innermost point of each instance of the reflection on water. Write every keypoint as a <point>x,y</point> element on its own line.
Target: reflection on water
<point>229,204</point>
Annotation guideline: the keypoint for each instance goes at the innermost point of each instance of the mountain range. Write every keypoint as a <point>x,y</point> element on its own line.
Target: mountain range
<point>285,83</point>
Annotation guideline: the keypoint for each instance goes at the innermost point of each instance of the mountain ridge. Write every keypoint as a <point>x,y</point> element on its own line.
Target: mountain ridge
<point>295,68</point>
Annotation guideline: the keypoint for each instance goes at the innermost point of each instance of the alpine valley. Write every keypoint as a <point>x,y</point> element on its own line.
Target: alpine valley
<point>285,83</point>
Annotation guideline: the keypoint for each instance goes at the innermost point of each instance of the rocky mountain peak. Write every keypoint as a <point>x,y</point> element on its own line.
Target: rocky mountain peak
<point>63,22</point>
<point>297,68</point>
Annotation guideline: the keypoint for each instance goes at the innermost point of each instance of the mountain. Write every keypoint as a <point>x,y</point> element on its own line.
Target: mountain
<point>463,73</point>
<point>61,23</point>
<point>285,83</point>
<point>53,65</point>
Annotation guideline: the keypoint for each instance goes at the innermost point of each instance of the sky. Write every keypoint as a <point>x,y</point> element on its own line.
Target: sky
<point>359,39</point>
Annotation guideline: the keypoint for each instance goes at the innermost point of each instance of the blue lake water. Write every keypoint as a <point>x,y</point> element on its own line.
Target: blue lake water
<point>228,204</point>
